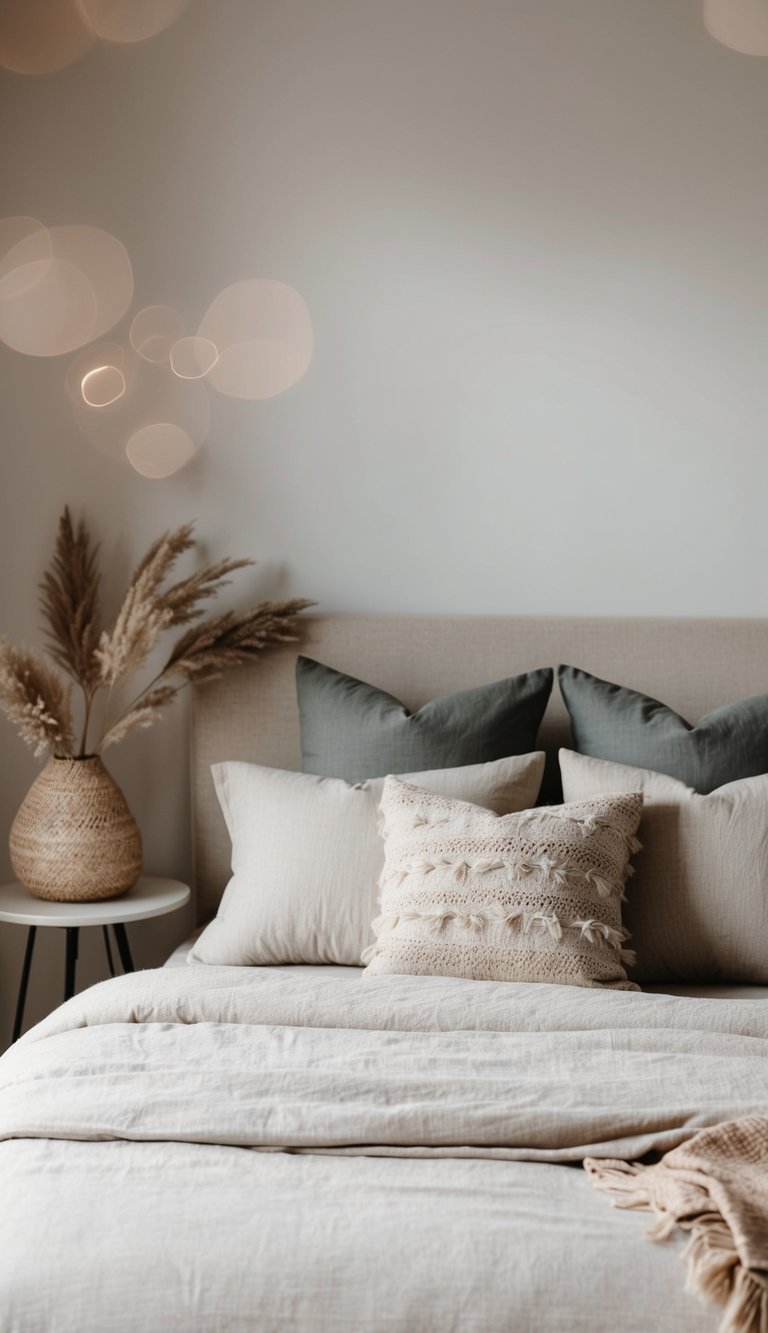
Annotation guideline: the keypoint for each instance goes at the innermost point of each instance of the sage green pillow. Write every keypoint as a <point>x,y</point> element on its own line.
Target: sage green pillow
<point>355,731</point>
<point>612,722</point>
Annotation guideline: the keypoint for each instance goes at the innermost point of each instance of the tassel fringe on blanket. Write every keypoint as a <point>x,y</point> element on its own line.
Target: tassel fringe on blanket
<point>715,1187</point>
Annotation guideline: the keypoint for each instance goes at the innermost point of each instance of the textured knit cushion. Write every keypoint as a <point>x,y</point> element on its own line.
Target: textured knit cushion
<point>520,897</point>
<point>611,722</point>
<point>355,731</point>
<point>306,857</point>
<point>698,907</point>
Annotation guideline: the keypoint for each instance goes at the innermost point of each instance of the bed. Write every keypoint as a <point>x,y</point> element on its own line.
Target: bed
<point>294,1148</point>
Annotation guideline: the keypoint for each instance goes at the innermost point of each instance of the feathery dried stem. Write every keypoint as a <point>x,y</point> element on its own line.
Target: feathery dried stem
<point>163,554</point>
<point>143,615</point>
<point>207,650</point>
<point>69,600</point>
<point>141,715</point>
<point>34,699</point>
<point>183,599</point>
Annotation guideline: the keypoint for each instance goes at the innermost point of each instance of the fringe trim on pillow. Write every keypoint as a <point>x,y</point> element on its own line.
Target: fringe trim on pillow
<point>510,917</point>
<point>587,824</point>
<point>557,871</point>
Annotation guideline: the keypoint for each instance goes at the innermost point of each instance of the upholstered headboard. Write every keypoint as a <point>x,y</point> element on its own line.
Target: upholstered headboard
<point>251,714</point>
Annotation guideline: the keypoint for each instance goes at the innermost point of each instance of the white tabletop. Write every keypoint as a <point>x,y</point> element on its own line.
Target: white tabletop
<point>151,895</point>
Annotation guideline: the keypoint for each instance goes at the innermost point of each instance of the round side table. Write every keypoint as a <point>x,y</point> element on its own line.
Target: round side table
<point>150,896</point>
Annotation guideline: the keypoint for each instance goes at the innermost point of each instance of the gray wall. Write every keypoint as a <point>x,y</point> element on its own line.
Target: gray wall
<point>532,236</point>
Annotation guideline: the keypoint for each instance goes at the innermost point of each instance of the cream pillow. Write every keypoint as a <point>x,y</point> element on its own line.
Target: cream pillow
<point>698,908</point>
<point>519,897</point>
<point>306,857</point>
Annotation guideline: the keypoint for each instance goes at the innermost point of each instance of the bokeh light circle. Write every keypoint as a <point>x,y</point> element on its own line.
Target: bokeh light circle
<point>154,331</point>
<point>96,373</point>
<point>160,449</point>
<point>24,243</point>
<point>740,24</point>
<point>192,358</point>
<point>131,20</point>
<point>102,385</point>
<point>42,36</point>
<point>263,331</point>
<point>54,312</point>
<point>152,394</point>
<point>61,287</point>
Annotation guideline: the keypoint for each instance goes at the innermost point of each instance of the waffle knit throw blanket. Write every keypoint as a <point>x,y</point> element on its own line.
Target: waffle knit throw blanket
<point>716,1187</point>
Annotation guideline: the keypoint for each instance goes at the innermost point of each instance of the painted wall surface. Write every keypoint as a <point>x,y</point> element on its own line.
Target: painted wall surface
<point>532,238</point>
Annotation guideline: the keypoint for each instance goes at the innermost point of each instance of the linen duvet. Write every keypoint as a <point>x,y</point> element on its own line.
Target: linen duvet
<point>231,1149</point>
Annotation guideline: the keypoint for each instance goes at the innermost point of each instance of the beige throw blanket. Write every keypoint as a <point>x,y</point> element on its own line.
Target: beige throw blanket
<point>716,1187</point>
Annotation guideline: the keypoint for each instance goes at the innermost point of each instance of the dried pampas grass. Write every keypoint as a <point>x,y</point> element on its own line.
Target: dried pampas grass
<point>97,660</point>
<point>33,697</point>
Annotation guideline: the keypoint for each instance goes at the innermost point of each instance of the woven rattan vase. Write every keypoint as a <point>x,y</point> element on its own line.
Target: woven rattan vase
<point>74,838</point>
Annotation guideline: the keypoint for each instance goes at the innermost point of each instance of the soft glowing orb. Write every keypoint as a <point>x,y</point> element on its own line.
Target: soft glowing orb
<point>740,24</point>
<point>24,244</point>
<point>61,287</point>
<point>40,36</point>
<point>152,394</point>
<point>192,358</point>
<point>97,372</point>
<point>53,311</point>
<point>264,335</point>
<point>154,331</point>
<point>131,20</point>
<point>102,385</point>
<point>159,450</point>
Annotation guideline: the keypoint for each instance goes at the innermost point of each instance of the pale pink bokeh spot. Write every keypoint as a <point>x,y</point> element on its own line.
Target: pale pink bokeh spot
<point>41,36</point>
<point>740,24</point>
<point>131,20</point>
<point>152,394</point>
<point>263,331</point>
<point>102,385</point>
<point>96,373</point>
<point>53,311</point>
<point>107,265</point>
<point>160,449</point>
<point>61,287</point>
<point>25,253</point>
<point>192,358</point>
<point>154,331</point>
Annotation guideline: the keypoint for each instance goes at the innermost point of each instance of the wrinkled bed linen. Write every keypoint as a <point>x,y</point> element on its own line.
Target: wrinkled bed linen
<point>176,1238</point>
<point>422,1066</point>
<point>128,1201</point>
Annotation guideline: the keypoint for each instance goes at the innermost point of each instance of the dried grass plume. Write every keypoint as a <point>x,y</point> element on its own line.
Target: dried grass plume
<point>98,659</point>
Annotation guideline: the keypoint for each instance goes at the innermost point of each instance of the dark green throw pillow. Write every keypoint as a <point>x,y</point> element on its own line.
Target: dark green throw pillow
<point>355,731</point>
<point>611,722</point>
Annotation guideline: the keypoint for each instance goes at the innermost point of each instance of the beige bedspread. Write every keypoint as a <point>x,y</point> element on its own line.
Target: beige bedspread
<point>399,1064</point>
<point>448,1089</point>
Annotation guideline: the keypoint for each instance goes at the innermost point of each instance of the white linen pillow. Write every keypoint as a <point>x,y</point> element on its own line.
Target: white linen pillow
<point>698,906</point>
<point>518,897</point>
<point>306,857</point>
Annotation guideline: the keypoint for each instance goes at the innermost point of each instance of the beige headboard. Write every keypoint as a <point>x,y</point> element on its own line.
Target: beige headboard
<point>692,665</point>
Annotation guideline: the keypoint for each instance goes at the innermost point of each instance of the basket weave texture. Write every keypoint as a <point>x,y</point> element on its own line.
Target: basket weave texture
<point>74,838</point>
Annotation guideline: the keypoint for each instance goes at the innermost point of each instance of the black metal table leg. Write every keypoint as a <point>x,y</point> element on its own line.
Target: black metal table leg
<point>24,982</point>
<point>73,933</point>
<point>123,947</point>
<point>108,948</point>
